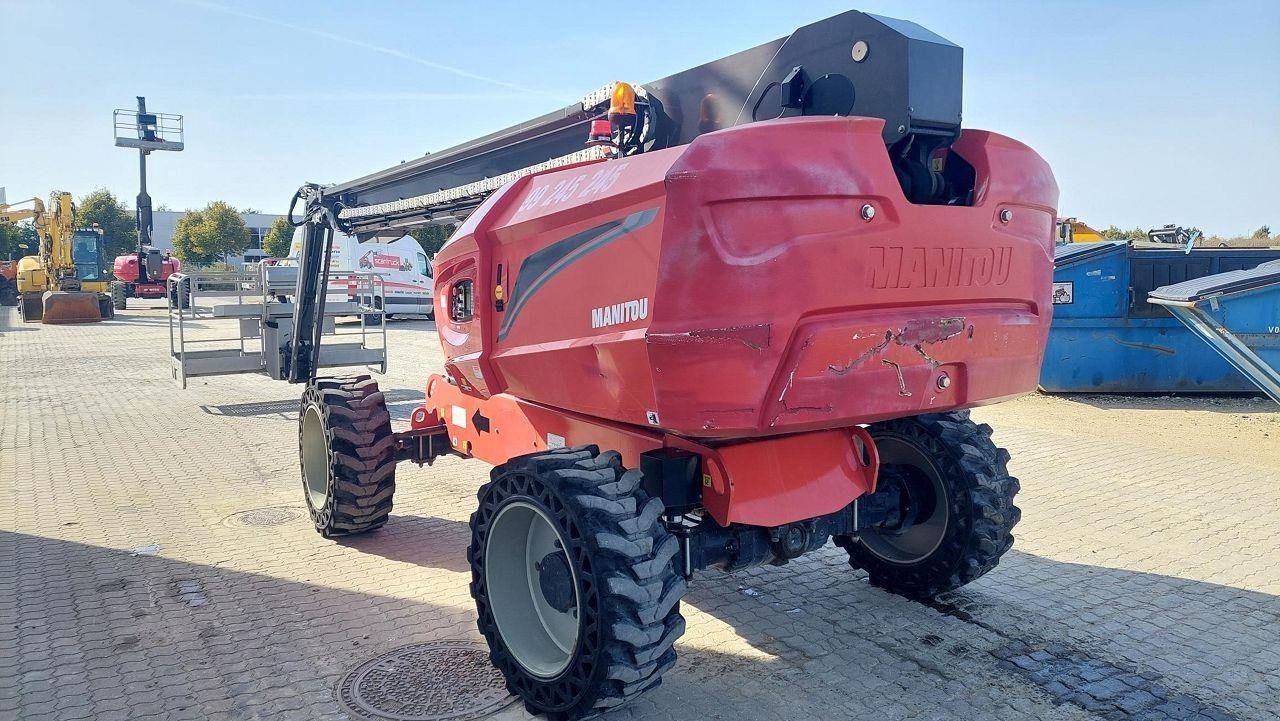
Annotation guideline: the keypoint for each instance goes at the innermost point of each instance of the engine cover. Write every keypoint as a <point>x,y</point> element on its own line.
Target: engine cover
<point>765,279</point>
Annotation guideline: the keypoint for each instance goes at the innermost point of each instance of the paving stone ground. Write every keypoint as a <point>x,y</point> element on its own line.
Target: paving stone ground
<point>1143,584</point>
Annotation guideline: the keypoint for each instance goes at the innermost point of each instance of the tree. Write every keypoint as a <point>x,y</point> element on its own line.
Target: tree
<point>119,224</point>
<point>203,237</point>
<point>1114,233</point>
<point>13,235</point>
<point>278,240</point>
<point>431,237</point>
<point>1263,232</point>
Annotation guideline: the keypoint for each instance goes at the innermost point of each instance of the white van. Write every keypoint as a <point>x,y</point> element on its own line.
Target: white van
<point>404,268</point>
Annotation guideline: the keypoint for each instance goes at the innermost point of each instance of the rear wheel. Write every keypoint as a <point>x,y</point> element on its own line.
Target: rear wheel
<point>943,504</point>
<point>347,452</point>
<point>180,294</point>
<point>573,579</point>
<point>119,296</point>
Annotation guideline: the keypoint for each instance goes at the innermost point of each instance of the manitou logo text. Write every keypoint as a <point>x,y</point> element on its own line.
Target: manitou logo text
<point>913,267</point>
<point>620,313</point>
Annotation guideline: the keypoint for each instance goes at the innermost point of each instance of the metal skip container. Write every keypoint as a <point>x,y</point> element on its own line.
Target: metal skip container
<point>1106,337</point>
<point>1237,314</point>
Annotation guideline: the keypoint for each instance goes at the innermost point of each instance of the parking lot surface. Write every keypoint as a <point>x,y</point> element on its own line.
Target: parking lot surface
<point>156,562</point>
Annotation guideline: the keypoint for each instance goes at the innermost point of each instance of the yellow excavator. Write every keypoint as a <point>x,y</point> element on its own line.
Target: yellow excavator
<point>66,282</point>
<point>1073,230</point>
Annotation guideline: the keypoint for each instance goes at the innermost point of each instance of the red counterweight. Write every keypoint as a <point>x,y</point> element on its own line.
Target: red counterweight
<point>764,280</point>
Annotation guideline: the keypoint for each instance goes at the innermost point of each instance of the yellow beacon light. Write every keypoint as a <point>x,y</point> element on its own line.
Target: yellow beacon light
<point>622,101</point>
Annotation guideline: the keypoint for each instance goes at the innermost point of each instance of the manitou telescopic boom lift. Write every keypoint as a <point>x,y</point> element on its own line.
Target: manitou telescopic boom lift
<point>715,320</point>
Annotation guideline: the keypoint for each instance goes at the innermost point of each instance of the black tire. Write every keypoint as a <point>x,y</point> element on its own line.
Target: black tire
<point>8,292</point>
<point>180,294</point>
<point>956,455</point>
<point>347,453</point>
<point>30,307</point>
<point>628,617</point>
<point>119,298</point>
<point>374,319</point>
<point>105,307</point>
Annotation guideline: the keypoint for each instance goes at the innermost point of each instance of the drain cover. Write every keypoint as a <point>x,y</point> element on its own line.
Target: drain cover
<point>442,681</point>
<point>263,517</point>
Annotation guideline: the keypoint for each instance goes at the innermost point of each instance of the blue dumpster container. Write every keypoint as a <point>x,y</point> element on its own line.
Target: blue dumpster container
<point>1106,337</point>
<point>1236,313</point>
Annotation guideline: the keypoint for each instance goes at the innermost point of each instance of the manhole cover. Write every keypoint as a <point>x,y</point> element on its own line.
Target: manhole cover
<point>442,681</point>
<point>264,517</point>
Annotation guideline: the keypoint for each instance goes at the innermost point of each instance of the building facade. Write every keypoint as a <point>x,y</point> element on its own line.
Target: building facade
<point>163,223</point>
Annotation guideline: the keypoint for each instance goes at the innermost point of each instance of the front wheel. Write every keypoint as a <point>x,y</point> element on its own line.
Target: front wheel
<point>942,514</point>
<point>572,574</point>
<point>8,291</point>
<point>347,452</point>
<point>180,294</point>
<point>119,296</point>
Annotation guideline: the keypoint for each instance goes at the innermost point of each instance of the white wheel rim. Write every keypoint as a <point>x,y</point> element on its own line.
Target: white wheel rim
<point>541,638</point>
<point>315,457</point>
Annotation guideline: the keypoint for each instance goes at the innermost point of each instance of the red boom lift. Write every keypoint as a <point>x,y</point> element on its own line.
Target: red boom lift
<point>742,321</point>
<point>143,274</point>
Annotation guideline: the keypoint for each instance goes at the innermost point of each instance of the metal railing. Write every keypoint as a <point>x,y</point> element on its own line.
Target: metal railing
<point>165,134</point>
<point>202,305</point>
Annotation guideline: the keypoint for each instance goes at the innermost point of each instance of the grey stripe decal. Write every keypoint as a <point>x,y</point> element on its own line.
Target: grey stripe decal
<point>631,223</point>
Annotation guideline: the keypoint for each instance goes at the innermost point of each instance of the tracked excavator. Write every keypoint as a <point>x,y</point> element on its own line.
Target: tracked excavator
<point>65,282</point>
<point>717,320</point>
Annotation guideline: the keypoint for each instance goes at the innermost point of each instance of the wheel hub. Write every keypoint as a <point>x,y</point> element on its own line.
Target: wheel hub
<point>555,580</point>
<point>907,517</point>
<point>886,509</point>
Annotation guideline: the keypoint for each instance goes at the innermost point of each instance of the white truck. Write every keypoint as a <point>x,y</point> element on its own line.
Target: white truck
<point>405,271</point>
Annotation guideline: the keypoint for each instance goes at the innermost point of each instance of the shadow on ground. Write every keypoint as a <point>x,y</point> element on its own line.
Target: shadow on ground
<point>189,640</point>
<point>1217,403</point>
<point>426,541</point>
<point>400,403</point>
<point>1124,644</point>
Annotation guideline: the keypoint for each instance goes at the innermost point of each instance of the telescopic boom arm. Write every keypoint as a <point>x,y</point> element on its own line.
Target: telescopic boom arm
<point>851,64</point>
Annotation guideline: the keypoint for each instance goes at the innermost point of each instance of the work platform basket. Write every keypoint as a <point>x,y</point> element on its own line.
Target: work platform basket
<point>147,131</point>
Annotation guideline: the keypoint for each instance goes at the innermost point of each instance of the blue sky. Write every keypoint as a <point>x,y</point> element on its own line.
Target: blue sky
<point>1148,112</point>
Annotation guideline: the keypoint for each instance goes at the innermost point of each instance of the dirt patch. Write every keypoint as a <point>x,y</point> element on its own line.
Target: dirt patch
<point>1234,427</point>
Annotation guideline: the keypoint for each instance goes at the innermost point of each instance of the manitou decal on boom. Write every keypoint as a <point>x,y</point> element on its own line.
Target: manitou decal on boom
<point>798,271</point>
